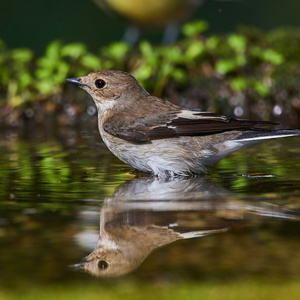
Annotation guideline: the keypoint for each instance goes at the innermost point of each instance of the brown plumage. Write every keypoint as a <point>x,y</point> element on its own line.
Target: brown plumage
<point>156,136</point>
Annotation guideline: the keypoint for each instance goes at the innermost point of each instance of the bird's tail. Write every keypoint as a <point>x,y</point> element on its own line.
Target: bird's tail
<point>257,136</point>
<point>245,139</point>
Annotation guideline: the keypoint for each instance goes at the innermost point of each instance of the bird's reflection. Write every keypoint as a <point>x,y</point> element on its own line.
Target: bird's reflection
<point>148,213</point>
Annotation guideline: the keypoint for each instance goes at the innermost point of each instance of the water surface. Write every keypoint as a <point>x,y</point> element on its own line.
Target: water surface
<point>68,205</point>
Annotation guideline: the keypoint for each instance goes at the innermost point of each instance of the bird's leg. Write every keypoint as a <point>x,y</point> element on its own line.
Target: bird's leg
<point>131,35</point>
<point>170,34</point>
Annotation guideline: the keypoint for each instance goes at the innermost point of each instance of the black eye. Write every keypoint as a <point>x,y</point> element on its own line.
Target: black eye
<point>102,264</point>
<point>99,83</point>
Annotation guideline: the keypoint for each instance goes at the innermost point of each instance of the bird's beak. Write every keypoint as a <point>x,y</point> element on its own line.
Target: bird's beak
<point>79,266</point>
<point>76,81</point>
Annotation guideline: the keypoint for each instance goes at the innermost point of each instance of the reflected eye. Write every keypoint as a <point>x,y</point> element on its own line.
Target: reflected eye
<point>100,83</point>
<point>102,264</point>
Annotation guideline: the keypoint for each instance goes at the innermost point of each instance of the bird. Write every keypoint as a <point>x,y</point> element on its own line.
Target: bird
<point>155,136</point>
<point>135,11</point>
<point>155,15</point>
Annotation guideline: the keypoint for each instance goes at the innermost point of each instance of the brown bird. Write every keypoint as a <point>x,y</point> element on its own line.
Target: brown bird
<point>156,136</point>
<point>153,15</point>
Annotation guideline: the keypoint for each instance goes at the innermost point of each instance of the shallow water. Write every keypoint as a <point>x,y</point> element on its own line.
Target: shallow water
<point>59,189</point>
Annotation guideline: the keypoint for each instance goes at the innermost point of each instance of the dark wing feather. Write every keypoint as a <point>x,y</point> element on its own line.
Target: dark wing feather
<point>184,123</point>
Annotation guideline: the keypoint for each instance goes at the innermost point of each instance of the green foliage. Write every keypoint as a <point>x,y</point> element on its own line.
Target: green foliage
<point>194,28</point>
<point>237,42</point>
<point>51,69</point>
<point>24,77</point>
<point>161,64</point>
<point>247,61</point>
<point>242,84</point>
<point>115,55</point>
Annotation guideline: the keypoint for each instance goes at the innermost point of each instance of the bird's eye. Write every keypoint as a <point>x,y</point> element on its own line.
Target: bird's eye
<point>102,264</point>
<point>100,83</point>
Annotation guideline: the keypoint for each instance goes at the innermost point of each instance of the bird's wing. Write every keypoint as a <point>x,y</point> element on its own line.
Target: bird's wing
<point>175,124</point>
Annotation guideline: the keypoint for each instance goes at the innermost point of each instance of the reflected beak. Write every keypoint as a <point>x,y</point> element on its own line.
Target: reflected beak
<point>76,81</point>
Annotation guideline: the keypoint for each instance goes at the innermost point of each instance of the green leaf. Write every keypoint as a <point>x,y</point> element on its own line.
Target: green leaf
<point>225,66</point>
<point>212,42</point>
<point>143,72</point>
<point>145,48</point>
<point>256,51</point>
<point>268,55</point>
<point>238,83</point>
<point>179,75</point>
<point>241,59</point>
<point>116,50</point>
<point>74,50</point>
<point>172,54</point>
<point>148,53</point>
<point>53,50</point>
<point>194,50</point>
<point>25,79</point>
<point>61,72</point>
<point>91,61</point>
<point>45,86</point>
<point>273,57</point>
<point>22,55</point>
<point>237,42</point>
<point>194,28</point>
<point>261,88</point>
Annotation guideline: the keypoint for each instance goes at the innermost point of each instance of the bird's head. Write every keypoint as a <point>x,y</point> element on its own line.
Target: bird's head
<point>109,85</point>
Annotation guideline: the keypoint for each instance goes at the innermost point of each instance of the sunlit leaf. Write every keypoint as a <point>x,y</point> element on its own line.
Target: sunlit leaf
<point>179,75</point>
<point>91,61</point>
<point>116,50</point>
<point>143,72</point>
<point>238,83</point>
<point>194,50</point>
<point>22,55</point>
<point>194,27</point>
<point>25,79</point>
<point>261,88</point>
<point>273,56</point>
<point>53,50</point>
<point>212,42</point>
<point>74,50</point>
<point>237,42</point>
<point>45,86</point>
<point>225,66</point>
<point>173,54</point>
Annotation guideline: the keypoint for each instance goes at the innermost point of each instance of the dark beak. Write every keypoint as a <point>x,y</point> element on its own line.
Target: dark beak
<point>76,81</point>
<point>79,266</point>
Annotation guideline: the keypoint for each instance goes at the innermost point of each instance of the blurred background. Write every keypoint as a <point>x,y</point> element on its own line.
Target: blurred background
<point>33,24</point>
<point>235,57</point>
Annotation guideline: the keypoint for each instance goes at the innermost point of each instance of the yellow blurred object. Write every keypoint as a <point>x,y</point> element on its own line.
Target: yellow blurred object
<point>153,14</point>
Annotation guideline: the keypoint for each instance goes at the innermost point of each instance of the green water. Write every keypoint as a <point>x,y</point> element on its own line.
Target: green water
<point>59,188</point>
